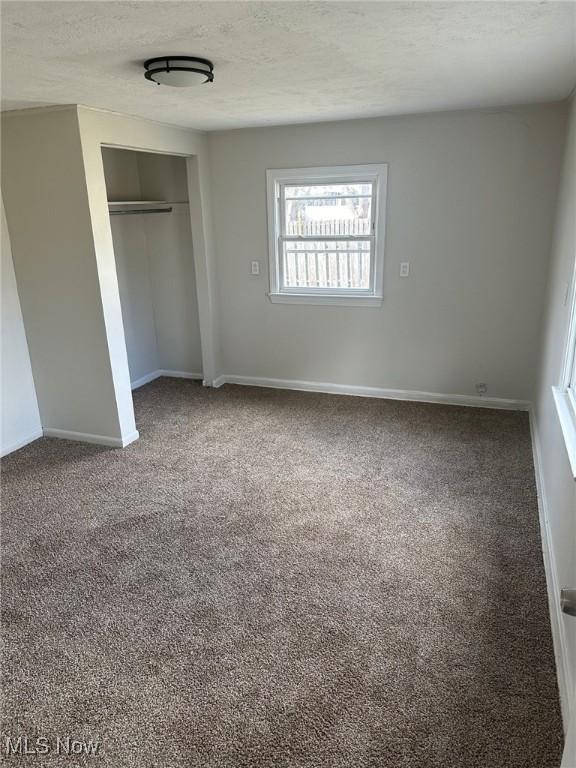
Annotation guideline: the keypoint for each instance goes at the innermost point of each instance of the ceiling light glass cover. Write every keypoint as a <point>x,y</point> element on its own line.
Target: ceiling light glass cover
<point>179,71</point>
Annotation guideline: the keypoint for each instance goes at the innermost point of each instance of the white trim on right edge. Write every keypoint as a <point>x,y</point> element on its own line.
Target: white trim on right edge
<point>386,394</point>
<point>567,423</point>
<point>561,653</point>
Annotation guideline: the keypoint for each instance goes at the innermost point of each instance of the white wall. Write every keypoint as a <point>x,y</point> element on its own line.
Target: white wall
<point>163,177</point>
<point>47,208</point>
<point>155,264</point>
<point>131,253</point>
<point>20,418</point>
<point>174,292</point>
<point>558,487</point>
<point>470,206</point>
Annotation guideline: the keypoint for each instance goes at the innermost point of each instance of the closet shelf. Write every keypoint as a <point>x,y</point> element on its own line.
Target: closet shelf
<point>116,207</point>
<point>137,202</point>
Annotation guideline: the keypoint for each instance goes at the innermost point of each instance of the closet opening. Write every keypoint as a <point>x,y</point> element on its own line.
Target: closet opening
<point>148,203</point>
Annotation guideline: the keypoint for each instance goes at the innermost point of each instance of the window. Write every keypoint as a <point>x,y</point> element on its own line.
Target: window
<point>565,393</point>
<point>326,234</point>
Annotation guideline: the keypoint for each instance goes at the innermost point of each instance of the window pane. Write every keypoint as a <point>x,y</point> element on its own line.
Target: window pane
<point>319,216</point>
<point>336,264</point>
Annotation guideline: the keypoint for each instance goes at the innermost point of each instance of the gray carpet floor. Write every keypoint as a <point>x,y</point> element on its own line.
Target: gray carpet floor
<point>270,579</point>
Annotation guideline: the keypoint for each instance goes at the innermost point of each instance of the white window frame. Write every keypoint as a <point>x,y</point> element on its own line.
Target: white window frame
<point>565,392</point>
<point>276,179</point>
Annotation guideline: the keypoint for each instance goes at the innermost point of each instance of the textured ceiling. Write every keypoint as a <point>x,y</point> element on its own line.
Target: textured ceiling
<point>288,62</point>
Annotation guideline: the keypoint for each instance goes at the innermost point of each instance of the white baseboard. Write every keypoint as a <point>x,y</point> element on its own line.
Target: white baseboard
<point>85,437</point>
<point>164,372</point>
<point>144,380</point>
<point>561,652</point>
<point>387,394</point>
<point>29,438</point>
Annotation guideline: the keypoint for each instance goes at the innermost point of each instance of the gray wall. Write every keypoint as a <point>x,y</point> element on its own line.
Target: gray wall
<point>558,486</point>
<point>470,206</point>
<point>19,413</point>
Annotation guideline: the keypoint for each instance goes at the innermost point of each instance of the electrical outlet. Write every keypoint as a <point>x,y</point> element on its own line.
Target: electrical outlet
<point>255,268</point>
<point>404,269</point>
<point>481,388</point>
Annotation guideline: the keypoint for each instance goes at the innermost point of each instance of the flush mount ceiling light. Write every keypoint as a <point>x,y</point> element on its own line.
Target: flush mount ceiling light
<point>179,71</point>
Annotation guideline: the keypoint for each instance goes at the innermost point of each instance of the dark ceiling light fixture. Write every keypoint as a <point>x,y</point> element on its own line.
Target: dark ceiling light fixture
<point>179,71</point>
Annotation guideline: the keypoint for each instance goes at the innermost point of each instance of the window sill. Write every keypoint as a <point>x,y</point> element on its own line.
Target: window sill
<point>568,424</point>
<point>331,301</point>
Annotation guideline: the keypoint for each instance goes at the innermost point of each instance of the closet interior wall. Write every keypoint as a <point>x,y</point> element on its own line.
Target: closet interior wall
<point>155,266</point>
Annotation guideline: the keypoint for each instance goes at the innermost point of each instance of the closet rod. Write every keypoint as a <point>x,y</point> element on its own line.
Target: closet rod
<point>140,210</point>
